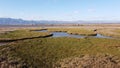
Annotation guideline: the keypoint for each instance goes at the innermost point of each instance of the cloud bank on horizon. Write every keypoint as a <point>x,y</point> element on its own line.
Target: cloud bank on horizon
<point>70,10</point>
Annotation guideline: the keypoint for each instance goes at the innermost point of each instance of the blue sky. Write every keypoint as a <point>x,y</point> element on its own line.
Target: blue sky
<point>66,10</point>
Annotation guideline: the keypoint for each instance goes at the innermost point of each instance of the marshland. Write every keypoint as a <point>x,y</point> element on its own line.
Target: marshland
<point>60,47</point>
<point>59,33</point>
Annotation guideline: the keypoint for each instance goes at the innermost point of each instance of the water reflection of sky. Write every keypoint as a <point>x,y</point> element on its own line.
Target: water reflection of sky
<point>64,34</point>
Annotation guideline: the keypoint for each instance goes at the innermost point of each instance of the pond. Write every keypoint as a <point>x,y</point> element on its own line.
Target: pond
<point>65,34</point>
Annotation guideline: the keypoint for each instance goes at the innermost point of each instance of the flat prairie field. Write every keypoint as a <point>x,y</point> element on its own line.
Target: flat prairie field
<point>37,46</point>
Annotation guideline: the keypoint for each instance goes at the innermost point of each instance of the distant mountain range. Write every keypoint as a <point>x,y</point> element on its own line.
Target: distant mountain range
<point>11,21</point>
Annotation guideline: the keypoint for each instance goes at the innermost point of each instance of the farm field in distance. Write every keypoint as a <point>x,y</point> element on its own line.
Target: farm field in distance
<point>36,46</point>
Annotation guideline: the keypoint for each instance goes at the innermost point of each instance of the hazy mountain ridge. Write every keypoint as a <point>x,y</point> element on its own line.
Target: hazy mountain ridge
<point>11,21</point>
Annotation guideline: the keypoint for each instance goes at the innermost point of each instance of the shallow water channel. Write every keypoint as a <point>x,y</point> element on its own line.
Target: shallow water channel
<point>65,34</point>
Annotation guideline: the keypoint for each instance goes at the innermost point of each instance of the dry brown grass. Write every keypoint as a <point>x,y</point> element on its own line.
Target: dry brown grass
<point>87,61</point>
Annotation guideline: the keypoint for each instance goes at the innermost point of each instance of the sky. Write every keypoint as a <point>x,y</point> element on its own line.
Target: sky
<point>61,10</point>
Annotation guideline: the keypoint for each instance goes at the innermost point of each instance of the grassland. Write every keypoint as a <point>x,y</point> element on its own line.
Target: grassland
<point>110,32</point>
<point>22,34</point>
<point>60,52</point>
<point>45,52</point>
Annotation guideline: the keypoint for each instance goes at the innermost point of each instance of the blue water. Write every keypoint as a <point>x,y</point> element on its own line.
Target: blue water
<point>64,34</point>
<point>101,36</point>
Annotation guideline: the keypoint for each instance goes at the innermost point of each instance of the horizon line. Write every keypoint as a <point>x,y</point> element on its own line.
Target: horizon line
<point>59,20</point>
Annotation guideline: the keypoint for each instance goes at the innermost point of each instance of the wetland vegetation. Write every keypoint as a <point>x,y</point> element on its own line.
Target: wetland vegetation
<point>58,52</point>
<point>110,32</point>
<point>77,31</point>
<point>22,34</point>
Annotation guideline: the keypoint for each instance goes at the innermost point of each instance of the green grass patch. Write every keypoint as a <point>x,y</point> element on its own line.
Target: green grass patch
<point>19,34</point>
